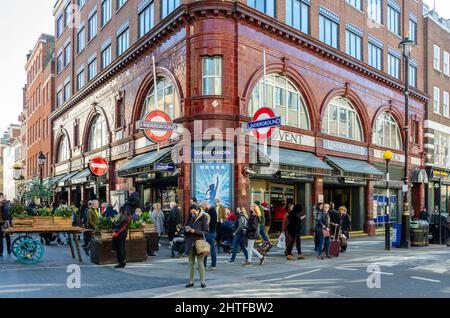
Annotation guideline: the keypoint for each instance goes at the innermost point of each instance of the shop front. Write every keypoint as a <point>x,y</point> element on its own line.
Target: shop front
<point>288,178</point>
<point>155,177</point>
<point>349,186</point>
<point>438,193</point>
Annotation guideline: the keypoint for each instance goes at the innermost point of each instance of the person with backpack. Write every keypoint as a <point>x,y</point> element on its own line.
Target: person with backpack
<point>294,228</point>
<point>239,235</point>
<point>252,235</point>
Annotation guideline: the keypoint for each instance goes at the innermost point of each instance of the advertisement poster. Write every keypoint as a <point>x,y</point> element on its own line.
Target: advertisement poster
<point>213,180</point>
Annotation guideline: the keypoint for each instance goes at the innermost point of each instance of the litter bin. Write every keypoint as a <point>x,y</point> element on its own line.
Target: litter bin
<point>396,235</point>
<point>419,233</point>
<point>434,228</point>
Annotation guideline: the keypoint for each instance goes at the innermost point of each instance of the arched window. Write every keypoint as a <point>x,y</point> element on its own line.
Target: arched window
<point>387,132</point>
<point>167,99</point>
<point>282,96</point>
<point>63,153</point>
<point>341,120</point>
<point>98,135</point>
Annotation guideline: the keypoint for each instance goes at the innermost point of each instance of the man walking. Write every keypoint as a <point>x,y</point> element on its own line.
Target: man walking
<point>4,224</point>
<point>212,234</point>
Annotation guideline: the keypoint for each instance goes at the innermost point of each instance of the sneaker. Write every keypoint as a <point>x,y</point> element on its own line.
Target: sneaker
<point>290,257</point>
<point>210,269</point>
<point>320,257</point>
<point>301,256</point>
<point>262,260</point>
<point>248,264</point>
<point>229,262</point>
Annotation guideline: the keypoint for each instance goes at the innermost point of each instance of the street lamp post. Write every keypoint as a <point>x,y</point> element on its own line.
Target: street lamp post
<point>387,155</point>
<point>407,46</point>
<point>41,162</point>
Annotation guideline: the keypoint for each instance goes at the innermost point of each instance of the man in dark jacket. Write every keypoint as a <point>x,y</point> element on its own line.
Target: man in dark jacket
<point>334,219</point>
<point>5,220</point>
<point>174,219</point>
<point>211,237</point>
<point>294,229</point>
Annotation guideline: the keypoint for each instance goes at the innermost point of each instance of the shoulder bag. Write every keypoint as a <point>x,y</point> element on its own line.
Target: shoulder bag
<point>202,247</point>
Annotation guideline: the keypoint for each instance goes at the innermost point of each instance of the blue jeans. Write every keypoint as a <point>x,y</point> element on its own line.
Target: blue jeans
<point>323,241</point>
<point>211,239</point>
<point>239,241</point>
<point>262,232</point>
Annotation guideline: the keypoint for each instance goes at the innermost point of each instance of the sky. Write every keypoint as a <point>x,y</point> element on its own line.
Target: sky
<point>21,23</point>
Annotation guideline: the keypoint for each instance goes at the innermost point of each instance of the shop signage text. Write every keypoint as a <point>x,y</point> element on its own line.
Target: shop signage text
<point>293,138</point>
<point>165,166</point>
<point>120,150</point>
<point>344,147</point>
<point>263,123</point>
<point>157,126</point>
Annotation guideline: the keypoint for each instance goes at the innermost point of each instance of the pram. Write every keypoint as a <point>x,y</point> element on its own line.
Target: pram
<point>178,246</point>
<point>226,239</point>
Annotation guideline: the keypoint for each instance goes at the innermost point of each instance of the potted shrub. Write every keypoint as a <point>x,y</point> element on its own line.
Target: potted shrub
<point>20,216</point>
<point>147,221</point>
<point>63,216</point>
<point>136,230</point>
<point>104,230</point>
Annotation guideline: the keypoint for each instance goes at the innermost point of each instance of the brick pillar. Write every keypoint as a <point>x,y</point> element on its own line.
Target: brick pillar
<point>418,198</point>
<point>241,187</point>
<point>184,188</point>
<point>370,224</point>
<point>317,190</point>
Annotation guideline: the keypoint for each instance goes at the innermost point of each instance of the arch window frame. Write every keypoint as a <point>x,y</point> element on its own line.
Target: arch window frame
<point>164,84</point>
<point>63,151</point>
<point>281,94</point>
<point>384,138</point>
<point>344,117</point>
<point>98,133</point>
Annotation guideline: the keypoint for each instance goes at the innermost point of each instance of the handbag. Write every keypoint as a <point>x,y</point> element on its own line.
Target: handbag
<point>202,247</point>
<point>282,241</point>
<point>325,233</point>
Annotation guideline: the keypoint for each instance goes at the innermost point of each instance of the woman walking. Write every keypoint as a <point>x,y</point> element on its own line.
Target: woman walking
<point>119,237</point>
<point>239,235</point>
<point>196,229</point>
<point>294,228</point>
<point>323,232</point>
<point>158,218</point>
<point>253,234</point>
<point>344,222</point>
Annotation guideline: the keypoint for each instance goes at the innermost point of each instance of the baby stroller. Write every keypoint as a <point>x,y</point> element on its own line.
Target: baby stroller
<point>226,239</point>
<point>178,247</point>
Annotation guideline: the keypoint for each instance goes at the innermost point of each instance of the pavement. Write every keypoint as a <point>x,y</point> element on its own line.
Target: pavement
<point>416,272</point>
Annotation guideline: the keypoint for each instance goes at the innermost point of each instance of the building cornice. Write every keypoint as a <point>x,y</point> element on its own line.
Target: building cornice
<point>188,12</point>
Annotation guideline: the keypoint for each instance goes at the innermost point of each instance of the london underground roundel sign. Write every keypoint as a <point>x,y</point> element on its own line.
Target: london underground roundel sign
<point>98,166</point>
<point>157,126</point>
<point>263,123</point>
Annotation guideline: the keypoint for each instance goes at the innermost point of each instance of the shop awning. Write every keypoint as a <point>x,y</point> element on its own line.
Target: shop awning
<point>81,177</point>
<point>144,163</point>
<point>354,168</point>
<point>62,181</point>
<point>296,161</point>
<point>57,178</point>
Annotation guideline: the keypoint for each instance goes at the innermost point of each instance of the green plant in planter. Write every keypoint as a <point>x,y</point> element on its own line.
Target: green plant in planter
<point>104,224</point>
<point>136,225</point>
<point>18,211</point>
<point>146,218</point>
<point>44,212</point>
<point>63,211</point>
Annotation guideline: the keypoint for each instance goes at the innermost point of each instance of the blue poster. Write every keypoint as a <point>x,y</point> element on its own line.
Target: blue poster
<point>213,180</point>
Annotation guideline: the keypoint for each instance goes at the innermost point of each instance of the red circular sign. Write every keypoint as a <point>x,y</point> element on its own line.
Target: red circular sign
<point>98,166</point>
<point>158,135</point>
<point>261,114</point>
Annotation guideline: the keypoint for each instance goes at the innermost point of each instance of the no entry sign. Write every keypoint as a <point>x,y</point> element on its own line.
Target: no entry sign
<point>157,126</point>
<point>98,166</point>
<point>263,123</point>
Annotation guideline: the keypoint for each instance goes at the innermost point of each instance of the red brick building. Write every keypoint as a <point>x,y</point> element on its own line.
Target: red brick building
<point>334,75</point>
<point>38,105</point>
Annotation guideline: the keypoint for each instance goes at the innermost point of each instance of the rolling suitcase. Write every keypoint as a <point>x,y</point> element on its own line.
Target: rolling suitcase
<point>335,244</point>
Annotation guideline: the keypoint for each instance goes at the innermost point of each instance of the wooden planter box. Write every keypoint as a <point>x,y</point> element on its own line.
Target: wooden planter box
<point>62,221</point>
<point>43,220</point>
<point>152,241</point>
<point>23,222</point>
<point>101,253</point>
<point>135,234</point>
<point>103,235</point>
<point>149,228</point>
